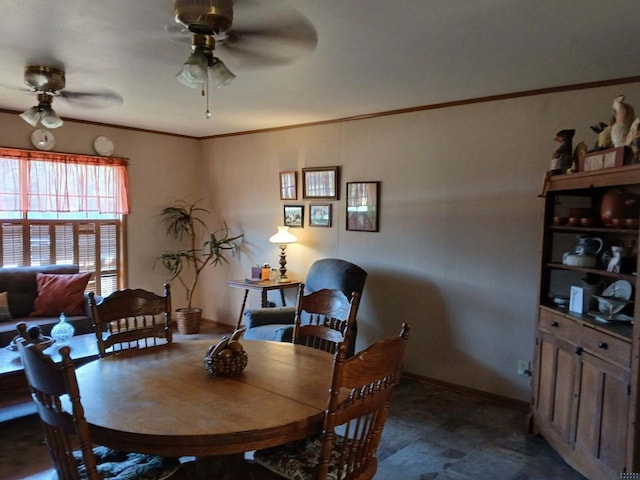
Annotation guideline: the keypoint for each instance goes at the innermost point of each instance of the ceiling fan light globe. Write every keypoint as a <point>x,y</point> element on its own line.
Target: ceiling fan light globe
<point>191,77</point>
<point>193,73</point>
<point>220,74</point>
<point>32,116</point>
<point>50,119</point>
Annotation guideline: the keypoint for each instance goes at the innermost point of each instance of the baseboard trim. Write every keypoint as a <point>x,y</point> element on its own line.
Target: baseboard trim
<point>468,390</point>
<point>215,323</point>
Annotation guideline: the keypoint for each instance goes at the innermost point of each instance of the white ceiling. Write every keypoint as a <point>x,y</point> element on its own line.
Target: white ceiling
<point>371,56</point>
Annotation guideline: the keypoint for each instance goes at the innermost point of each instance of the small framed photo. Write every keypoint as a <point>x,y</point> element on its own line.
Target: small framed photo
<point>320,183</point>
<point>576,301</point>
<point>294,216</point>
<point>289,185</point>
<point>320,215</point>
<point>362,206</point>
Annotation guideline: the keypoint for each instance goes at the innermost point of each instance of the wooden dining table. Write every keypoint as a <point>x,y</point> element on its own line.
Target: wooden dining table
<point>163,401</point>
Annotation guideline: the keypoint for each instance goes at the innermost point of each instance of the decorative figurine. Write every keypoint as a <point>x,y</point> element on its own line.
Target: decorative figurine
<point>615,260</point>
<point>562,158</point>
<point>579,154</point>
<point>604,135</point>
<point>624,116</point>
<point>633,139</point>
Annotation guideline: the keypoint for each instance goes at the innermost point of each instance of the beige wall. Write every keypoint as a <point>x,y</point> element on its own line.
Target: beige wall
<point>459,237</point>
<point>460,218</point>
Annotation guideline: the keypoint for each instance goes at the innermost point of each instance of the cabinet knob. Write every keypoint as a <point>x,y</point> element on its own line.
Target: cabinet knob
<point>603,345</point>
<point>554,324</point>
<point>579,350</point>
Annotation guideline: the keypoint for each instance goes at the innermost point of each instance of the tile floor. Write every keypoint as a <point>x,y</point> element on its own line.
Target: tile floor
<point>437,433</point>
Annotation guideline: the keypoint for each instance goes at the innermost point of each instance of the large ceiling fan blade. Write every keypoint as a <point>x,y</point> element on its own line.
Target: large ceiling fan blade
<point>13,88</point>
<point>243,54</point>
<point>267,46</point>
<point>282,39</point>
<point>300,32</point>
<point>92,99</point>
<point>287,25</point>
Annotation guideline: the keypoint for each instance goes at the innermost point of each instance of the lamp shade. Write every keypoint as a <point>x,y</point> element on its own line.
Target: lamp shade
<point>283,237</point>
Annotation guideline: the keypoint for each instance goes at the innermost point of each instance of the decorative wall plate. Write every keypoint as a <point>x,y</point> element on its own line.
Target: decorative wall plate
<point>103,146</point>
<point>43,139</point>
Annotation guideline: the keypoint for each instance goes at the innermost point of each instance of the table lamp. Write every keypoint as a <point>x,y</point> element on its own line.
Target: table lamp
<point>282,239</point>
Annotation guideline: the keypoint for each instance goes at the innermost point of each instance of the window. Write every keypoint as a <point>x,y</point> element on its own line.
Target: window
<point>64,209</point>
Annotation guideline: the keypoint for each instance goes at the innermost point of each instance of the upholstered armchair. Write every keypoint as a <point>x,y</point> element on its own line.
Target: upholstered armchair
<point>277,323</point>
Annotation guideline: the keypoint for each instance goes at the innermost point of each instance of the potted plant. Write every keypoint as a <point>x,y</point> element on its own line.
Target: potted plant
<point>183,221</point>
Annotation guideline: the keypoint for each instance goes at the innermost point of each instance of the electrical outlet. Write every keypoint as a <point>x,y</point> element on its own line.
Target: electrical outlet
<point>524,368</point>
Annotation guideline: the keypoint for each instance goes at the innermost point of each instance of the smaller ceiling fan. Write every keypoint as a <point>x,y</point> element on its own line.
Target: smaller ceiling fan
<point>49,82</point>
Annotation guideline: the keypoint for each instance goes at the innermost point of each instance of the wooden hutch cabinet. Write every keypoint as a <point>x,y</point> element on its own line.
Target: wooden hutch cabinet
<point>586,365</point>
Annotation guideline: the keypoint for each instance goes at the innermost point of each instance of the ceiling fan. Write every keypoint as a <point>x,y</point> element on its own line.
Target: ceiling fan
<point>49,82</point>
<point>277,35</point>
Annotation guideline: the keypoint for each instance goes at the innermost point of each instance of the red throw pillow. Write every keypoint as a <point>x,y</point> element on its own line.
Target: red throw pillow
<point>60,293</point>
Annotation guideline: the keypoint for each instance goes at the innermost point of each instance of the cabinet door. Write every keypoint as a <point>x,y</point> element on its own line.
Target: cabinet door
<point>603,408</point>
<point>553,402</point>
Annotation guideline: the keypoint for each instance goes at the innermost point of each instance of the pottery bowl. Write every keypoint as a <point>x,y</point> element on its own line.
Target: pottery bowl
<point>617,222</point>
<point>560,300</point>
<point>588,222</point>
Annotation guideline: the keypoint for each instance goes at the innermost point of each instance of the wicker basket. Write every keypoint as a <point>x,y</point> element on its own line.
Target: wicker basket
<point>226,364</point>
<point>188,320</point>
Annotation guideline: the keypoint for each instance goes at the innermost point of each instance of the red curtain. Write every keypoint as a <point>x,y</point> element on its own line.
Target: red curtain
<point>60,182</point>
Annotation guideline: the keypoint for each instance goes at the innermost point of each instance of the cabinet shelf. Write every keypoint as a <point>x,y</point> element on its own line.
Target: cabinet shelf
<point>596,271</point>
<point>580,230</point>
<point>610,177</point>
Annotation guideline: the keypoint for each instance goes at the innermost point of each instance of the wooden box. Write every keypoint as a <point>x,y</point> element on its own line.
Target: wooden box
<point>609,158</point>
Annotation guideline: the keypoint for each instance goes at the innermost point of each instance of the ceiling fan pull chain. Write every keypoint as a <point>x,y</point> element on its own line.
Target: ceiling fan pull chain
<point>207,113</point>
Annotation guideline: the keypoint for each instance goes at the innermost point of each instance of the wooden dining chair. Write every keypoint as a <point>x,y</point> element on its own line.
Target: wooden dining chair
<point>359,398</point>
<point>324,319</point>
<point>49,382</point>
<point>129,319</point>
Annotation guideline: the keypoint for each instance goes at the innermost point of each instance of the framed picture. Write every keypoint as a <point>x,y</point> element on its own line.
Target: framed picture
<point>320,183</point>
<point>294,216</point>
<point>362,206</point>
<point>320,215</point>
<point>289,185</point>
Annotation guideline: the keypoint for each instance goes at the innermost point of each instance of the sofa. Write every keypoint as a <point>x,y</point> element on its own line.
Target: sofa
<point>25,297</point>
